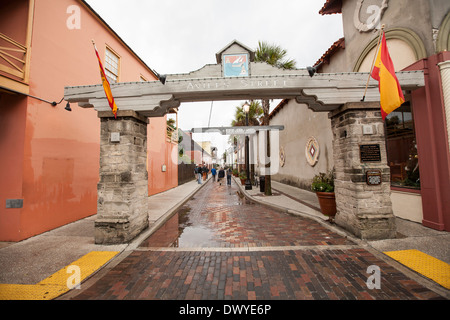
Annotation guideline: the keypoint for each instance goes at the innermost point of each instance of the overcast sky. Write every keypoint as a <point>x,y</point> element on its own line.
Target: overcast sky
<point>179,36</point>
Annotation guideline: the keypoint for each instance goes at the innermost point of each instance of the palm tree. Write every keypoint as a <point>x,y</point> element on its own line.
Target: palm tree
<point>254,118</point>
<point>275,56</point>
<point>254,115</point>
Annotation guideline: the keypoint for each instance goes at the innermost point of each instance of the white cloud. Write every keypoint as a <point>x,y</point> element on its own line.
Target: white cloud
<point>175,36</point>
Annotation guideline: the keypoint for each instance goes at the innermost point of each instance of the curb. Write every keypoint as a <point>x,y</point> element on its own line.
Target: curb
<point>324,223</point>
<point>429,284</point>
<point>133,245</point>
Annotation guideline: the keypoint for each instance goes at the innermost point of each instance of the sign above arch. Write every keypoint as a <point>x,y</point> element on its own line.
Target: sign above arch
<point>323,92</point>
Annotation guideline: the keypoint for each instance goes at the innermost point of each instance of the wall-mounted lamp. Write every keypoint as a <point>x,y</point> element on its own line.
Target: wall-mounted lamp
<point>313,70</point>
<point>161,77</point>
<point>56,103</point>
<point>53,104</point>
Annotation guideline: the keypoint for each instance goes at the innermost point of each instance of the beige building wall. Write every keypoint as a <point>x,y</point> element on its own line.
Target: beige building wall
<point>301,124</point>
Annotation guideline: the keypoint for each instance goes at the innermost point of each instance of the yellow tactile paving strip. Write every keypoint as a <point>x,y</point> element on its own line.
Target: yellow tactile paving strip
<point>426,265</point>
<point>59,282</point>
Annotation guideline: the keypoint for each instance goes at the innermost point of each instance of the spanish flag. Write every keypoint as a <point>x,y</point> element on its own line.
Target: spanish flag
<point>391,95</point>
<point>106,85</point>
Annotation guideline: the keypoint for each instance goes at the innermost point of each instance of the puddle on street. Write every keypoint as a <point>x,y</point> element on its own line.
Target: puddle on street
<point>244,201</point>
<point>179,231</point>
<point>184,229</point>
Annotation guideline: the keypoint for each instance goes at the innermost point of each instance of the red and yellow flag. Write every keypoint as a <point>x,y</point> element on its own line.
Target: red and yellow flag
<point>391,95</point>
<point>106,85</point>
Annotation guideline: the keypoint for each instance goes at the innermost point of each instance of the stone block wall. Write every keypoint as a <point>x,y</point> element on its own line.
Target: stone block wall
<point>122,203</point>
<point>365,210</point>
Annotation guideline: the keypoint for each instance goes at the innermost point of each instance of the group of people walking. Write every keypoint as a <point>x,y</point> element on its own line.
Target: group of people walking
<point>203,172</point>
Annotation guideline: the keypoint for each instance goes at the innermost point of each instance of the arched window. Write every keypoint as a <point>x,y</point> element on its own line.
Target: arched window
<point>405,48</point>
<point>443,38</point>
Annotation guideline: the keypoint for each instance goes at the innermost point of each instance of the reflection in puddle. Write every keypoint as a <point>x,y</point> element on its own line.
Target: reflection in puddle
<point>194,236</point>
<point>178,231</point>
<point>188,228</point>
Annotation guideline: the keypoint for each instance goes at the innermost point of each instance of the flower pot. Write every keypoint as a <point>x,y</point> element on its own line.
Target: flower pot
<point>327,203</point>
<point>242,181</point>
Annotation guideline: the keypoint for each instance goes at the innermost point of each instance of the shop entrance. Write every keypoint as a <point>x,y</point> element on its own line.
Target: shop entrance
<point>362,184</point>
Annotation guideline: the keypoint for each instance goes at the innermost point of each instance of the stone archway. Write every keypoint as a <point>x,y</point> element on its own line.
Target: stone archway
<point>364,206</point>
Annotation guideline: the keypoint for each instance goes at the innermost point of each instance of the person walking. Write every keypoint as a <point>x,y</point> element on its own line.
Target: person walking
<point>221,175</point>
<point>205,172</point>
<point>198,172</point>
<point>213,172</point>
<point>229,177</point>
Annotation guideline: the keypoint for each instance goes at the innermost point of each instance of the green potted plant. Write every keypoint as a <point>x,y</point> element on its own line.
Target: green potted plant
<point>243,177</point>
<point>235,172</point>
<point>323,185</point>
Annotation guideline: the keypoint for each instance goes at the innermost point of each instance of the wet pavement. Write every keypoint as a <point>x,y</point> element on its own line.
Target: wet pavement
<point>218,216</point>
<point>221,246</point>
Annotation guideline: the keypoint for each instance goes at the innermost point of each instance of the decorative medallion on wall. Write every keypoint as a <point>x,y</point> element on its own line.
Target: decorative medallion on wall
<point>312,151</point>
<point>373,10</point>
<point>282,157</point>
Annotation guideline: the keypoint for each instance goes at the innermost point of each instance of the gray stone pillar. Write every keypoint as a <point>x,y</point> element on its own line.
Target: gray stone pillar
<point>362,184</point>
<point>122,203</point>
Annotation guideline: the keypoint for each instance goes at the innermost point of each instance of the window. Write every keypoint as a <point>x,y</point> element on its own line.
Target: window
<point>111,65</point>
<point>402,148</point>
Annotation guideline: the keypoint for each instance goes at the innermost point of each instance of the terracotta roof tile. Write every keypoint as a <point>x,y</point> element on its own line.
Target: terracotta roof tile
<point>339,44</point>
<point>278,108</point>
<point>331,6</point>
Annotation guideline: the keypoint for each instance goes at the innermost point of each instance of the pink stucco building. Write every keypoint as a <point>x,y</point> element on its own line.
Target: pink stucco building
<point>49,163</point>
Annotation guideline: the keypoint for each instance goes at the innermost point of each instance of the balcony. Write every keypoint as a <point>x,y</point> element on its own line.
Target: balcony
<point>13,66</point>
<point>16,24</point>
<point>12,57</point>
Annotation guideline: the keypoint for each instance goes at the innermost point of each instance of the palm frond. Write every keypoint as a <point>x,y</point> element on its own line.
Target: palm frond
<point>254,115</point>
<point>273,55</point>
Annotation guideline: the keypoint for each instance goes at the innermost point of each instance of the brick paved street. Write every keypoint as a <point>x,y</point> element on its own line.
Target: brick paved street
<point>220,246</point>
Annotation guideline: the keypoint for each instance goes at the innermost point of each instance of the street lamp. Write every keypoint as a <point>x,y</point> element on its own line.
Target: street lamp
<point>248,184</point>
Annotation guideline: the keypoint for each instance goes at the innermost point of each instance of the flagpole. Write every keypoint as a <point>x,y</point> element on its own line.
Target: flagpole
<point>105,83</point>
<point>373,61</point>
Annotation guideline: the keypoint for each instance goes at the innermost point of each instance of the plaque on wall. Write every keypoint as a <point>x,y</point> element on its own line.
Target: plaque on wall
<point>235,65</point>
<point>373,177</point>
<point>370,152</point>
